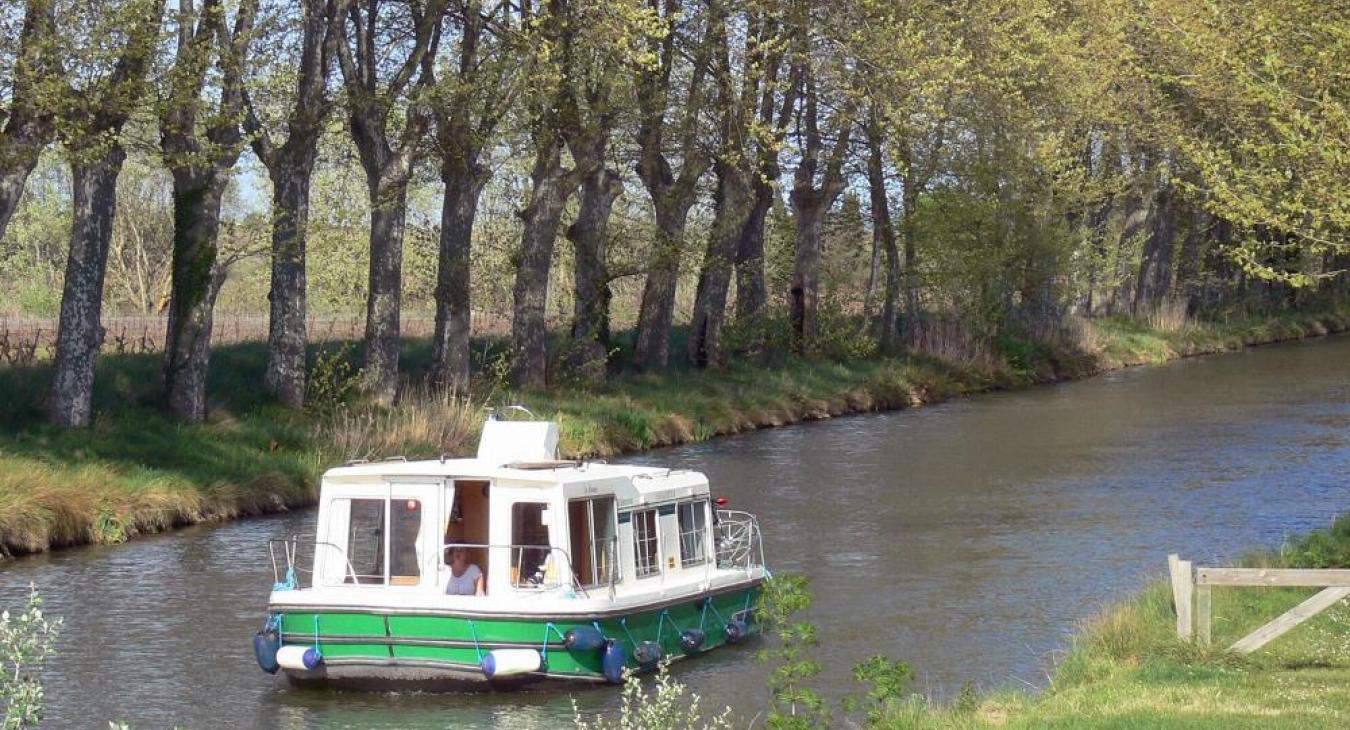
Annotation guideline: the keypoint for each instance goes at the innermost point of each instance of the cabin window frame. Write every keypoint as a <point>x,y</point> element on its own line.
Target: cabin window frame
<point>697,537</point>
<point>613,575</point>
<point>520,581</point>
<point>653,538</point>
<point>343,571</point>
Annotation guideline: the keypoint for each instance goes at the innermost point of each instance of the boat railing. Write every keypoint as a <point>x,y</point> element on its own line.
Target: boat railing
<point>541,568</point>
<point>289,571</point>
<point>738,541</point>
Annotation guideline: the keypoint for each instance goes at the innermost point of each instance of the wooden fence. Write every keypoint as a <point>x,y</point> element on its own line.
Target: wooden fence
<point>1192,589</point>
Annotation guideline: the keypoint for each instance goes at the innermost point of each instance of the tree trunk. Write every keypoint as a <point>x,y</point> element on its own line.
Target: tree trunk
<point>733,206</point>
<point>80,332</point>
<point>459,209</point>
<point>751,291</point>
<point>12,178</point>
<point>196,281</point>
<point>286,335</point>
<point>656,314</point>
<point>589,235</point>
<point>1155,261</point>
<point>388,210</point>
<point>529,330</point>
<point>1191,259</point>
<point>804,292</point>
<point>883,241</point>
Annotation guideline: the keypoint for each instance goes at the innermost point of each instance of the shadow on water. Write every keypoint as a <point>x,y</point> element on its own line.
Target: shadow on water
<point>965,538</point>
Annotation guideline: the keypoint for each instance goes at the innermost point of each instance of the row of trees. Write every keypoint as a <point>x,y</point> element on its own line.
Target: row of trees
<point>1025,153</point>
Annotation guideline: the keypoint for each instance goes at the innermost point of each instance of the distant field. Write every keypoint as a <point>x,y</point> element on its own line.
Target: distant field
<point>25,340</point>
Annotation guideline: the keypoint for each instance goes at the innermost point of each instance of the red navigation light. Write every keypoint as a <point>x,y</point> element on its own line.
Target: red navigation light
<point>722,501</point>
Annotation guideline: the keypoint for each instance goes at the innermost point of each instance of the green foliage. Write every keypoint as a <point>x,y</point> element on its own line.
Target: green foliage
<point>27,640</point>
<point>669,705</point>
<point>796,705</point>
<point>333,381</point>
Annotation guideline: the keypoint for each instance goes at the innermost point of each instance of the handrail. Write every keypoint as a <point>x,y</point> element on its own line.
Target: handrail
<point>520,581</point>
<point>737,540</point>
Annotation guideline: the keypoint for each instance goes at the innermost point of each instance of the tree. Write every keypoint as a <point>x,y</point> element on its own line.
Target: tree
<point>376,88</point>
<point>290,167</point>
<point>104,92</point>
<point>679,57</point>
<point>27,122</point>
<point>817,183</point>
<point>751,126</point>
<point>468,104</point>
<point>199,154</point>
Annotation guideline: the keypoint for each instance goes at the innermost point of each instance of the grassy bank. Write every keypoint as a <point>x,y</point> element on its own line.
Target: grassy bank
<point>136,471</point>
<point>1127,669</point>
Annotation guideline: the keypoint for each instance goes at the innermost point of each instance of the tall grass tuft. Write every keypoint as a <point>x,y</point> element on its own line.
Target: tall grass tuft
<point>1170,316</point>
<point>429,420</point>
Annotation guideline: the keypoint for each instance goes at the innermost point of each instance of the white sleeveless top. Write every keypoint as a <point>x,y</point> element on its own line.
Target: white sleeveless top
<point>466,584</point>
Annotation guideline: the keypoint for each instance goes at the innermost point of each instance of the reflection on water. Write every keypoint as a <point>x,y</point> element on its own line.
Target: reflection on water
<point>966,538</point>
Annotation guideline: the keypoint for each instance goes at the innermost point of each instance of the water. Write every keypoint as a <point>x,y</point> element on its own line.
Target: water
<point>966,538</point>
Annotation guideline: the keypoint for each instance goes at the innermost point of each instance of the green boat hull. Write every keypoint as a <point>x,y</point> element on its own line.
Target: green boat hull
<point>376,648</point>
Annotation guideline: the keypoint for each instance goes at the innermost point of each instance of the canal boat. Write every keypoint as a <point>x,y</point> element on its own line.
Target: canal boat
<point>508,568</point>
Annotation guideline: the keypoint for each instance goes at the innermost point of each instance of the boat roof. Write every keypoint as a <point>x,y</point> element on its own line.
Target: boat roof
<point>523,452</point>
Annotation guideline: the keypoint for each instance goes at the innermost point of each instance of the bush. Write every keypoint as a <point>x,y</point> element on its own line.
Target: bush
<point>26,641</point>
<point>669,706</point>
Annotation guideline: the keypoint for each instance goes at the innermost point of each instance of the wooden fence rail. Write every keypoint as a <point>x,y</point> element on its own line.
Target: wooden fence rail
<point>1192,594</point>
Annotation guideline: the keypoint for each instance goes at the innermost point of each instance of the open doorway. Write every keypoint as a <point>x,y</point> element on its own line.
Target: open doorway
<point>468,523</point>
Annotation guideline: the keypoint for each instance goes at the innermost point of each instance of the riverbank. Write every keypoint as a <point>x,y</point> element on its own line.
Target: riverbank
<point>1127,669</point>
<point>135,471</point>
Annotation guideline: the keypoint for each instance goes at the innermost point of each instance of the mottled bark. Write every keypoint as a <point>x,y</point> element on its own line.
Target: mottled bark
<point>376,85</point>
<point>199,162</point>
<point>589,235</point>
<point>197,278</point>
<point>80,332</point>
<point>284,378</point>
<point>290,166</point>
<point>804,291</point>
<point>388,212</point>
<point>459,209</point>
<point>552,186</point>
<point>731,206</point>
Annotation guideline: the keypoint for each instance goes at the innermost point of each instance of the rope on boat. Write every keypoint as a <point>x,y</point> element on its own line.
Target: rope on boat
<point>623,622</point>
<point>544,651</point>
<point>317,650</point>
<point>661,623</point>
<point>478,650</point>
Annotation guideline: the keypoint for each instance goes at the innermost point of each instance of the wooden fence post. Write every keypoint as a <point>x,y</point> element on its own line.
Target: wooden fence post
<point>1183,589</point>
<point>1203,613</point>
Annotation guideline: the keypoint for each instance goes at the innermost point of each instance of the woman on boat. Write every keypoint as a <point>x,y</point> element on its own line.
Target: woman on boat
<point>466,579</point>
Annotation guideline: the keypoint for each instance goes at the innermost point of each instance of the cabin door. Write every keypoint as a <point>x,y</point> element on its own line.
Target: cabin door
<point>468,520</point>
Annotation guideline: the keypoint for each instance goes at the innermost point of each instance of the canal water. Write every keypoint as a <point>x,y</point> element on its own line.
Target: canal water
<point>966,538</point>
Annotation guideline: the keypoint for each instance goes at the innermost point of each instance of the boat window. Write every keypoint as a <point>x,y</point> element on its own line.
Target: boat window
<point>405,525</point>
<point>365,541</point>
<point>693,518</point>
<point>594,540</point>
<point>530,543</point>
<point>646,556</point>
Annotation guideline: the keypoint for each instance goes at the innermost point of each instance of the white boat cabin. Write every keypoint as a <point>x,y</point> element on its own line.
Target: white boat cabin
<point>534,525</point>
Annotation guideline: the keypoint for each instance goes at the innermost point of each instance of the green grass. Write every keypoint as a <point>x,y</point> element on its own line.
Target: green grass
<point>1127,669</point>
<point>135,470</point>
